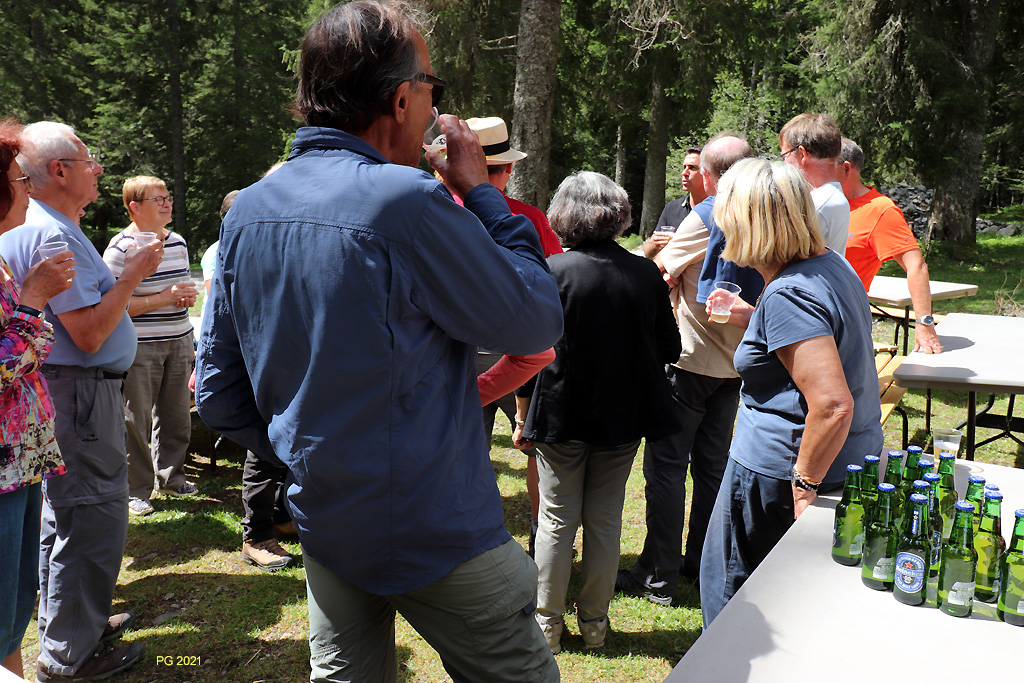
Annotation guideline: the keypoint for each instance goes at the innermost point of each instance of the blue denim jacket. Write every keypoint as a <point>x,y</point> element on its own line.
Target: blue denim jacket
<point>349,299</point>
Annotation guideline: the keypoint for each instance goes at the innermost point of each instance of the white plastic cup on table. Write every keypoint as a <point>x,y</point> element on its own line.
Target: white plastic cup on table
<point>724,294</point>
<point>48,249</point>
<point>946,439</point>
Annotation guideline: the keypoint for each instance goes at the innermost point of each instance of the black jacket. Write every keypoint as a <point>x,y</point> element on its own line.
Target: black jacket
<point>607,384</point>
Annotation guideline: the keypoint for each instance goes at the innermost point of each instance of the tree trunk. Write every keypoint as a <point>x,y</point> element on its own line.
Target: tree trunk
<point>176,111</point>
<point>534,99</point>
<point>957,187</point>
<point>620,157</point>
<point>657,153</point>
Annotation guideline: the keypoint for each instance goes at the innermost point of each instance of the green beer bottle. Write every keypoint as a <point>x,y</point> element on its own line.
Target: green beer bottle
<point>990,546</point>
<point>1011,578</point>
<point>894,475</point>
<point>959,564</point>
<point>869,485</point>
<point>848,532</point>
<point>947,492</point>
<point>909,475</point>
<point>934,519</point>
<point>913,553</point>
<point>976,494</point>
<point>880,537</point>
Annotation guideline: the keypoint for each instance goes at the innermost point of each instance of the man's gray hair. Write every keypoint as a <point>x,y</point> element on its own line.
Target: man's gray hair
<point>353,60</point>
<point>851,151</point>
<point>722,151</point>
<point>41,143</point>
<point>589,207</point>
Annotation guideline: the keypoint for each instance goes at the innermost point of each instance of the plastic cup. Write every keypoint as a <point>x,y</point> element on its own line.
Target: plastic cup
<point>144,238</point>
<point>946,440</point>
<point>433,138</point>
<point>48,249</point>
<point>724,294</point>
<point>666,228</point>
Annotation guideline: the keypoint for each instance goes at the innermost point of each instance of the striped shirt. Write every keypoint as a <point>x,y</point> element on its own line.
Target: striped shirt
<point>166,322</point>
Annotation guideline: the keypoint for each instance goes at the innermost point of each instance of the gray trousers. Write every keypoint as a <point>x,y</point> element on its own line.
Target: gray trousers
<point>706,407</point>
<point>84,516</point>
<point>478,617</point>
<point>156,411</point>
<point>580,483</point>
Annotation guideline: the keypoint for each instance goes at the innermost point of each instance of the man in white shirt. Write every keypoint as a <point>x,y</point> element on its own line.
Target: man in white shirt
<point>812,142</point>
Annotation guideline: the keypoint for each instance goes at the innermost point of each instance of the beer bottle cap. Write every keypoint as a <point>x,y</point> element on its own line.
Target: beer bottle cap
<point>993,495</point>
<point>931,476</point>
<point>854,468</point>
<point>888,488</point>
<point>1019,513</point>
<point>946,455</point>
<point>918,498</point>
<point>871,458</point>
<point>975,479</point>
<point>969,507</point>
<point>918,484</point>
<point>914,449</point>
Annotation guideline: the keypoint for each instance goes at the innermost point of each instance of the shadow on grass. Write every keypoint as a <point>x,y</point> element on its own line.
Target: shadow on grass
<point>220,619</point>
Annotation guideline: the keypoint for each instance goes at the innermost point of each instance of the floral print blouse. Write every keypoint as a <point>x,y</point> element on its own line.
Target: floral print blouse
<point>28,447</point>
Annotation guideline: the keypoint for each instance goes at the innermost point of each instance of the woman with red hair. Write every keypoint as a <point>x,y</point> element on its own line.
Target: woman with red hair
<point>28,448</point>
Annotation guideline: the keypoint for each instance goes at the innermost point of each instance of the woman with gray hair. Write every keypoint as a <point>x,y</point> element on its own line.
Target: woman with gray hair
<point>809,400</point>
<point>605,390</point>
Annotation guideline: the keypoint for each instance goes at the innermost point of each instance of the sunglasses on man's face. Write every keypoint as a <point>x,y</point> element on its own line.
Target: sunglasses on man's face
<point>437,89</point>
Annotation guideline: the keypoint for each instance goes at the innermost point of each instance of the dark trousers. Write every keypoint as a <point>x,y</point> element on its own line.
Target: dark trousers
<point>706,407</point>
<point>262,498</point>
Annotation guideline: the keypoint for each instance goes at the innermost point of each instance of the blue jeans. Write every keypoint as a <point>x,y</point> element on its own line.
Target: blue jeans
<point>751,514</point>
<point>19,563</point>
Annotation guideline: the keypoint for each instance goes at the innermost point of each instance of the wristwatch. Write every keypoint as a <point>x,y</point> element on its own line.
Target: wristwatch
<point>925,320</point>
<point>800,482</point>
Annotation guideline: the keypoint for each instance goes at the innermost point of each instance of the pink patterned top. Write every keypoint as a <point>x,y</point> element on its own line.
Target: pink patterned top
<point>28,448</point>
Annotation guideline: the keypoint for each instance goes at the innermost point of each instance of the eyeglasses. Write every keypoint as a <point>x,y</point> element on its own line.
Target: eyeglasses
<point>162,200</point>
<point>24,180</point>
<point>787,153</point>
<point>438,86</point>
<point>90,161</point>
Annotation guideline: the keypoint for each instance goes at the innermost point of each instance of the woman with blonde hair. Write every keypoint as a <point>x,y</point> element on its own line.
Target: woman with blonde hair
<point>809,401</point>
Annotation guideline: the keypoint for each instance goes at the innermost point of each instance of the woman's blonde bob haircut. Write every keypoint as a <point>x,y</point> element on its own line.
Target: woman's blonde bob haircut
<point>765,210</point>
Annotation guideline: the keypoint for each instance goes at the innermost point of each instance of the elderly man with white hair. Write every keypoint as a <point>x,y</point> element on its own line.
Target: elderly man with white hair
<point>85,512</point>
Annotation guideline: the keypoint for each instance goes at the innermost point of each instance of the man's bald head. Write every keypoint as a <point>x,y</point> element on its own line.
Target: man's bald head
<point>720,153</point>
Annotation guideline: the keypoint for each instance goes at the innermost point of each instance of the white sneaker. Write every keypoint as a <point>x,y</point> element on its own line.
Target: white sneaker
<point>551,627</point>
<point>139,507</point>
<point>594,633</point>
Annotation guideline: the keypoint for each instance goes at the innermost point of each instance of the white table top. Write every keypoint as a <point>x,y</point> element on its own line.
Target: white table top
<point>801,615</point>
<point>979,353</point>
<point>893,291</point>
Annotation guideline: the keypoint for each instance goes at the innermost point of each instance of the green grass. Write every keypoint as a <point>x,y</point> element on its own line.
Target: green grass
<point>182,562</point>
<point>1008,214</point>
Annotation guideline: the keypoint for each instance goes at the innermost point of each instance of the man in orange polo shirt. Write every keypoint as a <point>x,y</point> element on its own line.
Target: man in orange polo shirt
<point>879,232</point>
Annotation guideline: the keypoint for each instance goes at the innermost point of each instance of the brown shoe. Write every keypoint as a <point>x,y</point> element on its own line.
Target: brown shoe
<point>117,625</point>
<point>267,555</point>
<point>106,661</point>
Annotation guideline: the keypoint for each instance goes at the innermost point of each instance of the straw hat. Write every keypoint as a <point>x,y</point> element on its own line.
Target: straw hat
<point>493,136</point>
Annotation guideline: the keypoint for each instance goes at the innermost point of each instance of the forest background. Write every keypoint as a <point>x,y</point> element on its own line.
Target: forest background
<point>198,91</point>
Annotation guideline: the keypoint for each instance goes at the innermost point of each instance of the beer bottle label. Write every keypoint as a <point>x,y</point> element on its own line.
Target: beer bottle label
<point>910,571</point>
<point>936,546</point>
<point>884,568</point>
<point>1020,606</point>
<point>962,593</point>
<point>857,546</point>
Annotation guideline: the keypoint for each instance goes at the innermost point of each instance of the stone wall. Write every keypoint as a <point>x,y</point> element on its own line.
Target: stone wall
<point>916,201</point>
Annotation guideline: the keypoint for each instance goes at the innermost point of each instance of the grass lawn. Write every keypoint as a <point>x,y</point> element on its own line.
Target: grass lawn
<point>206,617</point>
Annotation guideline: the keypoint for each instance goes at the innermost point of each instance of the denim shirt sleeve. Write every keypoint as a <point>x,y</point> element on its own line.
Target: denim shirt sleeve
<point>224,395</point>
<point>519,311</point>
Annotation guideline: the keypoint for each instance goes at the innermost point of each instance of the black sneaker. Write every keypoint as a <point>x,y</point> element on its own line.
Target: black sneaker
<point>652,589</point>
<point>106,661</point>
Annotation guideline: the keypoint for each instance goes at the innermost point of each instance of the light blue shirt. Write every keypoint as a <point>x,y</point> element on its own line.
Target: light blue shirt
<point>92,280</point>
<point>816,297</point>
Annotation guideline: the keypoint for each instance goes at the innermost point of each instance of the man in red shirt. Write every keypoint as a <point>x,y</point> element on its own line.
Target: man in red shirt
<point>879,232</point>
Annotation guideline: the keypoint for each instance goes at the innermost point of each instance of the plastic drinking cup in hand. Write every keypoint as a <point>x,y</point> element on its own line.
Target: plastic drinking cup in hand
<point>48,249</point>
<point>666,228</point>
<point>724,294</point>
<point>433,139</point>
<point>144,238</point>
